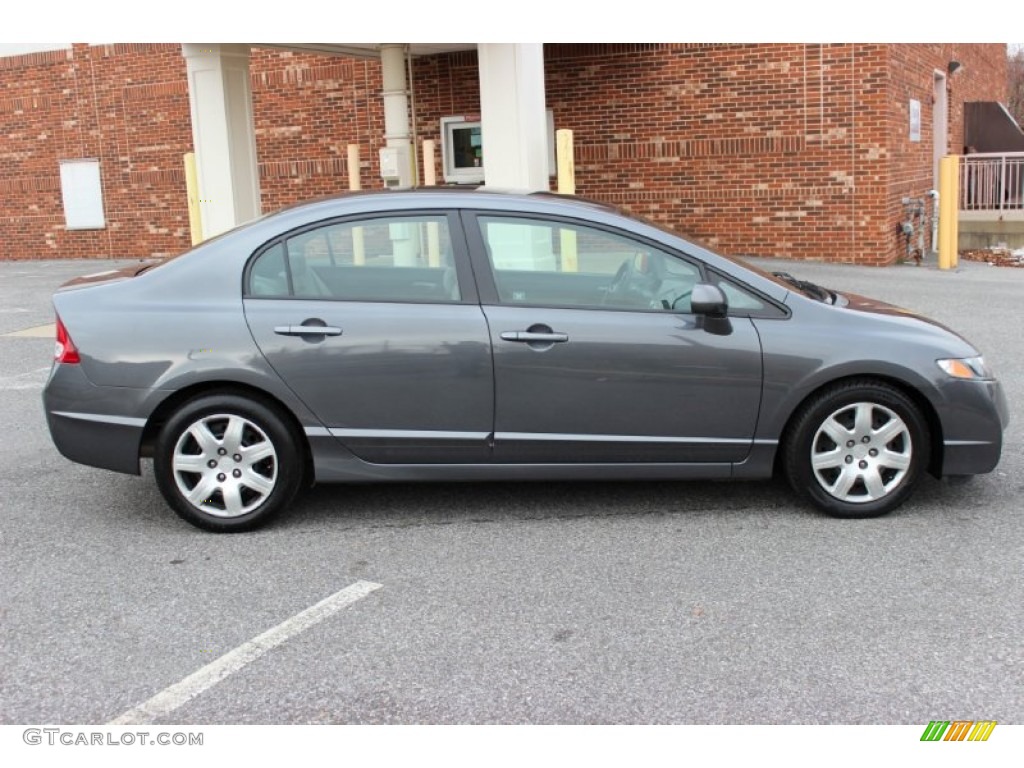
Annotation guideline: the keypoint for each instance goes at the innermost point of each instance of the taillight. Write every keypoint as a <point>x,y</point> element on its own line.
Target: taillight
<point>64,351</point>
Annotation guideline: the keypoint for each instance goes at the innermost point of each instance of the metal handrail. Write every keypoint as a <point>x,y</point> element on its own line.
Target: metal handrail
<point>992,181</point>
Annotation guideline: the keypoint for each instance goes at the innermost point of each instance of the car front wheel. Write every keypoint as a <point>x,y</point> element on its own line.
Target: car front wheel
<point>226,463</point>
<point>857,449</point>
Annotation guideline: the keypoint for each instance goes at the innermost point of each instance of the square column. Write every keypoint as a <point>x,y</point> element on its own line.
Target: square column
<point>223,134</point>
<point>512,115</point>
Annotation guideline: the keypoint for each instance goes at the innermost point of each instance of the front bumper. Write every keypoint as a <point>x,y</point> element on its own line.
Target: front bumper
<point>973,421</point>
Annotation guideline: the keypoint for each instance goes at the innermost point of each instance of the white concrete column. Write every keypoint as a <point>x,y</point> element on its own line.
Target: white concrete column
<point>396,94</point>
<point>512,115</point>
<point>223,134</point>
<point>404,237</point>
<point>397,130</point>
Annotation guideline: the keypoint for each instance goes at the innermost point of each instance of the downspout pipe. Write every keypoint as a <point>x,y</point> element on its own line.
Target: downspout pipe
<point>412,111</point>
<point>934,195</point>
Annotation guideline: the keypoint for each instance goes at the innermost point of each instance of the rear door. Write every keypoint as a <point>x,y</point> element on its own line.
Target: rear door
<point>596,355</point>
<point>375,324</point>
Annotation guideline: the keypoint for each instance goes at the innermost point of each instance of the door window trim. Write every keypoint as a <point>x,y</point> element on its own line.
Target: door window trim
<point>456,232</point>
<point>484,271</point>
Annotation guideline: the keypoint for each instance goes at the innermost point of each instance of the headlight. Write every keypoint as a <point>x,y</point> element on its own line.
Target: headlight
<point>966,368</point>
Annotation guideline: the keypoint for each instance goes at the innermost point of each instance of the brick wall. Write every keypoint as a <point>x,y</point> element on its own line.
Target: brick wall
<point>983,77</point>
<point>307,109</point>
<point>797,150</point>
<point>125,105</point>
<point>748,147</point>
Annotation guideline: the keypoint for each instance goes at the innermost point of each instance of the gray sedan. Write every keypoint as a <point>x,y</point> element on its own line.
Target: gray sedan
<point>458,335</point>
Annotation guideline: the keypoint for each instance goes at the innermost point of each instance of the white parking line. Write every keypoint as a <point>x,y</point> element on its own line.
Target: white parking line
<point>181,693</point>
<point>48,331</point>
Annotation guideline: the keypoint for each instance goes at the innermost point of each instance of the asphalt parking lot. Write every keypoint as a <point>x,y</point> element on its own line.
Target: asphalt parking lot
<point>514,603</point>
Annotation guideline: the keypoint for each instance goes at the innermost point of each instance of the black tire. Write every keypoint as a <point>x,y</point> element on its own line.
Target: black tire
<point>247,462</point>
<point>857,449</point>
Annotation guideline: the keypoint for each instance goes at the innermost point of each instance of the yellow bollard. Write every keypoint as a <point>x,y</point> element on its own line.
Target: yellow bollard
<point>195,219</point>
<point>429,168</point>
<point>433,244</point>
<point>567,186</point>
<point>566,163</point>
<point>949,211</point>
<point>430,180</point>
<point>355,184</point>
<point>570,254</point>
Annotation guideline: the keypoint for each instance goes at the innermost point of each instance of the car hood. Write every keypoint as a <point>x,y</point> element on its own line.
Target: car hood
<point>858,303</point>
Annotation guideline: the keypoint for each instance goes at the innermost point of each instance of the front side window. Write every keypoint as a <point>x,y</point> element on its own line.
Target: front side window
<point>401,258</point>
<point>560,264</point>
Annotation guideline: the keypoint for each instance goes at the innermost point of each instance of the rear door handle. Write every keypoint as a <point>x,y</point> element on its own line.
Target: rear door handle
<point>535,337</point>
<point>307,330</point>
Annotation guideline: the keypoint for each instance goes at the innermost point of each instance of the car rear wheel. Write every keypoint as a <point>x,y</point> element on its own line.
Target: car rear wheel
<point>226,463</point>
<point>857,449</point>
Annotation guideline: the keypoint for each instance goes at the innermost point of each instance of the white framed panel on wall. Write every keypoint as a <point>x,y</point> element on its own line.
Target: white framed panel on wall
<point>82,192</point>
<point>462,150</point>
<point>915,120</point>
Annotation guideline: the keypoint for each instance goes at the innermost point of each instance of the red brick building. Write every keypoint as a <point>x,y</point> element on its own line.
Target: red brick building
<point>793,150</point>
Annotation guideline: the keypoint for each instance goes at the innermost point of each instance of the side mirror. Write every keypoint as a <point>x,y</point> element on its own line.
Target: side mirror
<point>708,300</point>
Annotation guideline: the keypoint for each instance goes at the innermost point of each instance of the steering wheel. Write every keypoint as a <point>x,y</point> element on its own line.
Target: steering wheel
<point>622,277</point>
<point>680,297</point>
<point>669,297</point>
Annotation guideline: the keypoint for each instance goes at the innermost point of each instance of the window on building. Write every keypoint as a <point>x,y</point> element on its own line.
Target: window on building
<point>82,192</point>
<point>462,149</point>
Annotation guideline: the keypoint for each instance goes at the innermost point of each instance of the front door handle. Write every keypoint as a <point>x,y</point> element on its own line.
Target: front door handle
<point>535,337</point>
<point>307,330</point>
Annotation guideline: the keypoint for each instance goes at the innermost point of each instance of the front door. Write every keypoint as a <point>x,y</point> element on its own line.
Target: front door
<point>597,357</point>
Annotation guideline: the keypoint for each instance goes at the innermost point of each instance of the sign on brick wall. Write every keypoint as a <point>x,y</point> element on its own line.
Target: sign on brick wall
<point>82,193</point>
<point>915,120</point>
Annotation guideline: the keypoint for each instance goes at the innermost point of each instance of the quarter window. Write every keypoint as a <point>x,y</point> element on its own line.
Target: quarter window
<point>405,259</point>
<point>743,302</point>
<point>559,264</point>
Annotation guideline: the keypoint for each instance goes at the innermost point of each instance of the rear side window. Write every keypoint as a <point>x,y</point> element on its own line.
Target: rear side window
<point>400,259</point>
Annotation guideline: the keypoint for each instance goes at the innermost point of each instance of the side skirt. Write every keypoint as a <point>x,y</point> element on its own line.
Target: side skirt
<point>334,464</point>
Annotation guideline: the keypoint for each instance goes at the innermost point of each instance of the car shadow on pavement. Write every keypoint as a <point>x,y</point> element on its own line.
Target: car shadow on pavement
<point>409,505</point>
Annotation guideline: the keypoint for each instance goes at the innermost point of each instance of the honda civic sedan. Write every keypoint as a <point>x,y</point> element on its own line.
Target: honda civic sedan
<point>467,335</point>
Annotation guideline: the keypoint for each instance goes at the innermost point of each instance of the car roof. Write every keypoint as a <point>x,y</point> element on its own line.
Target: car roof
<point>454,196</point>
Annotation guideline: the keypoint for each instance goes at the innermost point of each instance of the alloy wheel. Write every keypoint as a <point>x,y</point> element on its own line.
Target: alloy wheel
<point>861,452</point>
<point>225,465</point>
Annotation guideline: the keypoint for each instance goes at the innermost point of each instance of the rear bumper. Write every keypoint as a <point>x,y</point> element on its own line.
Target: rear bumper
<point>973,427</point>
<point>93,425</point>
